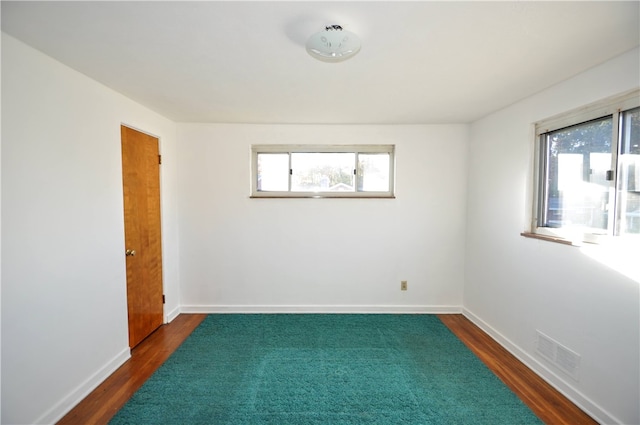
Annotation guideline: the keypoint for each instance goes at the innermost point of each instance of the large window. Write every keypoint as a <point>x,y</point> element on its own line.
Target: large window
<point>322,171</point>
<point>588,171</point>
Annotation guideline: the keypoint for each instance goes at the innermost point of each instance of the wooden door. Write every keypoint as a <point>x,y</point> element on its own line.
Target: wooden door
<point>143,250</point>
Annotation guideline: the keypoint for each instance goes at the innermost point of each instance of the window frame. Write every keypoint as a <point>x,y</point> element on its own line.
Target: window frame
<point>293,149</point>
<point>612,106</point>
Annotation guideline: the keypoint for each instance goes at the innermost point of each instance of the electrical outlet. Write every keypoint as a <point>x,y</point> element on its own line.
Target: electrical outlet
<point>403,285</point>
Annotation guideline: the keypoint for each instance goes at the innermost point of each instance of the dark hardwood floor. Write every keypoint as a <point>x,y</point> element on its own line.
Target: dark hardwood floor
<point>544,400</point>
<point>103,403</point>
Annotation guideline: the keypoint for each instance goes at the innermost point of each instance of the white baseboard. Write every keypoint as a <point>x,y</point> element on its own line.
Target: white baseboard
<point>344,309</point>
<point>172,315</point>
<point>556,381</point>
<point>63,407</point>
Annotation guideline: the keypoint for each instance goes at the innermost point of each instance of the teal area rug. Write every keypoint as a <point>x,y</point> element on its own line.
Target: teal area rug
<point>323,369</point>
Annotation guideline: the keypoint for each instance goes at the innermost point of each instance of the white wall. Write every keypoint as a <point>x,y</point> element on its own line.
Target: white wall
<point>585,298</point>
<point>0,237</point>
<point>241,254</point>
<point>64,314</point>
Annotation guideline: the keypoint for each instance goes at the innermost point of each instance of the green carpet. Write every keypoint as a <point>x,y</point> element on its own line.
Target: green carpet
<point>323,369</point>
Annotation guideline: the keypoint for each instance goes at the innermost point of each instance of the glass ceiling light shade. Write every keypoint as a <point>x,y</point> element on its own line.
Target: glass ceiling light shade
<point>334,44</point>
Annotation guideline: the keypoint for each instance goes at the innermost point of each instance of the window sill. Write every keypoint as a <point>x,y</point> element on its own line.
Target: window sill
<point>548,238</point>
<point>320,197</point>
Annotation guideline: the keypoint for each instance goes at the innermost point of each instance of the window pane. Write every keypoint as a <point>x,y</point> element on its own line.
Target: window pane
<point>373,170</point>
<point>273,172</point>
<point>629,182</point>
<point>322,172</point>
<point>577,191</point>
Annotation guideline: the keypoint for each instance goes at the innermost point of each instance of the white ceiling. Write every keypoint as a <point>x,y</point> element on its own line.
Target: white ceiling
<point>421,62</point>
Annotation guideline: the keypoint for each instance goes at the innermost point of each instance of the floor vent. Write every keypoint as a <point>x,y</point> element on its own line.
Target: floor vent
<point>561,357</point>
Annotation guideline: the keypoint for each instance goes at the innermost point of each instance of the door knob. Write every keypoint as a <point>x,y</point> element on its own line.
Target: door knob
<point>130,252</point>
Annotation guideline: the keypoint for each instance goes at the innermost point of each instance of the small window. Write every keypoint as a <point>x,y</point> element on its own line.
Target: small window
<point>322,171</point>
<point>588,172</point>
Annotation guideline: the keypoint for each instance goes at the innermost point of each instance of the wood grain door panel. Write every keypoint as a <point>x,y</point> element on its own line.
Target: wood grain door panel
<point>141,188</point>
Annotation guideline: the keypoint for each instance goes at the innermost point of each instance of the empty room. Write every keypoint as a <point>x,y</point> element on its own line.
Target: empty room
<point>320,212</point>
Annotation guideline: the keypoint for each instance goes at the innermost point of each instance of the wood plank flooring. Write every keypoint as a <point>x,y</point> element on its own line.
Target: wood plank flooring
<point>103,403</point>
<point>545,401</point>
<point>109,397</point>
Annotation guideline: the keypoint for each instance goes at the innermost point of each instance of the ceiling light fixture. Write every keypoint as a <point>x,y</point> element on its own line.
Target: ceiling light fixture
<point>334,44</point>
